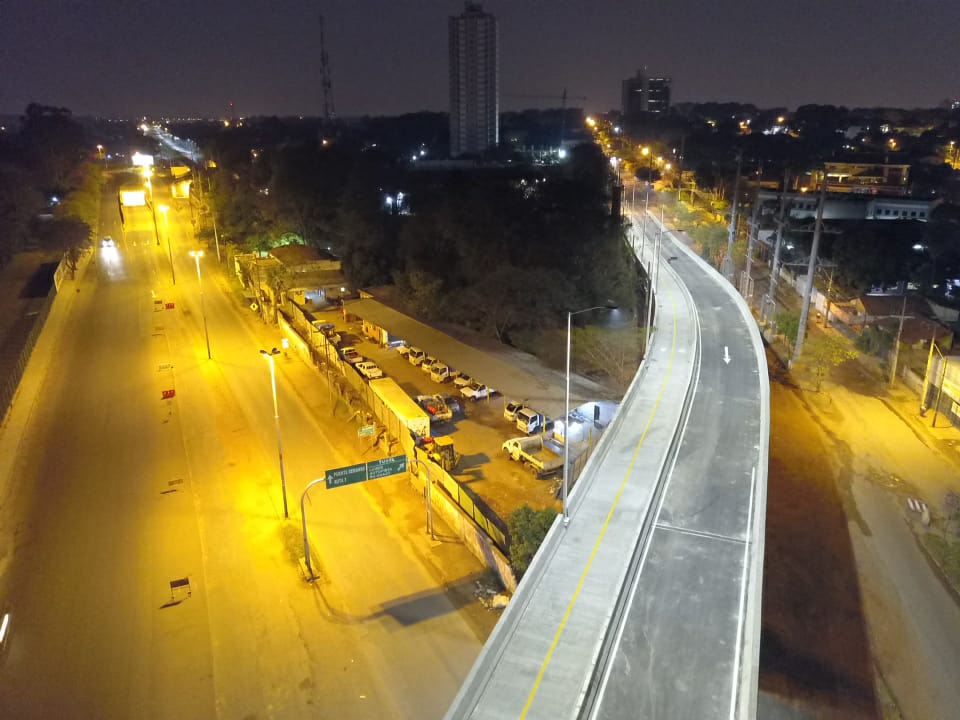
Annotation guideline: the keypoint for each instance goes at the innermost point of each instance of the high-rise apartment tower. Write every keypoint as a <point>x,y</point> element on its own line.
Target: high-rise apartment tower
<point>474,82</point>
<point>642,94</point>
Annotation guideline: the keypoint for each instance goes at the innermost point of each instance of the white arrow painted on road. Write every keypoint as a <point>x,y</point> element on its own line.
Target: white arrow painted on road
<point>726,354</point>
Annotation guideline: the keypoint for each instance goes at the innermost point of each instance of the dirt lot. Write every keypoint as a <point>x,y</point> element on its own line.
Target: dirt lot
<point>857,620</point>
<point>815,651</point>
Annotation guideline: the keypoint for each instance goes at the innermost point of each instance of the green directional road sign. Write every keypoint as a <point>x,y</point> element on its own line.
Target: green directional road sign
<point>372,470</point>
<point>339,477</point>
<point>386,466</point>
<point>366,430</point>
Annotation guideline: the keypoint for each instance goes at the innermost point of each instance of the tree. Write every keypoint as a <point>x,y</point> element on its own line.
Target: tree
<point>613,352</point>
<point>527,529</point>
<point>19,202</point>
<point>83,200</point>
<point>277,281</point>
<point>52,144</point>
<point>712,239</point>
<point>510,299</point>
<point>66,235</point>
<point>825,352</point>
<point>788,323</point>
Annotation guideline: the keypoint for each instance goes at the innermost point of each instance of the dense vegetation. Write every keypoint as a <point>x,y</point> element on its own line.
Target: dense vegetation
<point>506,250</point>
<point>49,185</point>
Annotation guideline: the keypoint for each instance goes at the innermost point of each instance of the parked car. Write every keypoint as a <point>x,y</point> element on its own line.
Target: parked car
<point>428,362</point>
<point>415,356</point>
<point>461,380</point>
<point>510,410</point>
<point>370,370</point>
<point>351,355</point>
<point>402,349</point>
<point>475,391</point>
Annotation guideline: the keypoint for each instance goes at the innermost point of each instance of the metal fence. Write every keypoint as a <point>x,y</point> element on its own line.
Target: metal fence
<point>18,346</point>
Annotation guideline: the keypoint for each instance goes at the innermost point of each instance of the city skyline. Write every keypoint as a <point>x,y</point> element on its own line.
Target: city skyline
<point>391,58</point>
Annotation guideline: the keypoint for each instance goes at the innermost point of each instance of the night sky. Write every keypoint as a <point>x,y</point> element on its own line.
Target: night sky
<point>177,58</point>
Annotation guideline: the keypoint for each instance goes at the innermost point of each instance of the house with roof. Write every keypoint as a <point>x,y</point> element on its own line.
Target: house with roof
<point>305,274</point>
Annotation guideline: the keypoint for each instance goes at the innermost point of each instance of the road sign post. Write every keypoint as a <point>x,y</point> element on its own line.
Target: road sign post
<point>373,470</point>
<point>338,477</point>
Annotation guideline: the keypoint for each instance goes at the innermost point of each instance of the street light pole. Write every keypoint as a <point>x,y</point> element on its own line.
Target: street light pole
<point>303,515</point>
<point>566,410</point>
<point>166,228</point>
<point>643,220</point>
<point>196,255</point>
<point>276,419</point>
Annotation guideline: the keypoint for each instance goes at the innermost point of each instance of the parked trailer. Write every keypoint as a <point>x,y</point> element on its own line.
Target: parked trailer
<point>403,407</point>
<point>542,455</point>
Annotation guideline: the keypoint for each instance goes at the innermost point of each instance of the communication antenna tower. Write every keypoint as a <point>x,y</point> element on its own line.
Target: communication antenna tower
<point>328,109</point>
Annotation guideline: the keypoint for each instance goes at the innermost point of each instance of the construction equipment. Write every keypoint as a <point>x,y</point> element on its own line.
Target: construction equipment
<point>441,451</point>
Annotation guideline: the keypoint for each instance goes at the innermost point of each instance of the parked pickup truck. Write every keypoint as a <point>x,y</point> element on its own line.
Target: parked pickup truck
<point>542,455</point>
<point>475,391</point>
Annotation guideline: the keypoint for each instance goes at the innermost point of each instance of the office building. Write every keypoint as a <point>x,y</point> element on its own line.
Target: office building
<point>474,82</point>
<point>645,94</point>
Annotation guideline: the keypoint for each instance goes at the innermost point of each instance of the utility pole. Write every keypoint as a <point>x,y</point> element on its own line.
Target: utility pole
<point>896,343</point>
<point>732,233</point>
<point>754,230</point>
<point>811,270</point>
<point>683,140</point>
<point>775,268</point>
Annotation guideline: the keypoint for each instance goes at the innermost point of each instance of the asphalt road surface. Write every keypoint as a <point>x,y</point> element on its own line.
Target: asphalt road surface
<point>152,573</point>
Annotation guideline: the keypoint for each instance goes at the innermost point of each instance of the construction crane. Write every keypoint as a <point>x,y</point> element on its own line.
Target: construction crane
<point>563,105</point>
<point>325,82</point>
<point>563,97</point>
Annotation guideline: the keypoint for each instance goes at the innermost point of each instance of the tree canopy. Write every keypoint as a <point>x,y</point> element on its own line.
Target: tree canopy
<point>506,250</point>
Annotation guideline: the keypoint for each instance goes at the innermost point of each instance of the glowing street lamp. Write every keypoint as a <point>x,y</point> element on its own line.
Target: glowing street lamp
<point>276,419</point>
<point>566,409</point>
<point>196,255</point>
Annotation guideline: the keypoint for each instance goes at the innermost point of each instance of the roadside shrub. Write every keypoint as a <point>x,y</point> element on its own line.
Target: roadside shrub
<point>527,528</point>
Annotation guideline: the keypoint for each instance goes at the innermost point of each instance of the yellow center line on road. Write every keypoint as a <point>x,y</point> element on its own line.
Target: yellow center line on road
<point>605,526</point>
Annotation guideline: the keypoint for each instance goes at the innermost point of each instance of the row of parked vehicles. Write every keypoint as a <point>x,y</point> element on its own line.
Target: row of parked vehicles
<point>367,368</point>
<point>441,372</point>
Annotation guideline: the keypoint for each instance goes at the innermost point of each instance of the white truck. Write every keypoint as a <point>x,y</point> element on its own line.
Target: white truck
<point>402,407</point>
<point>441,372</point>
<point>475,391</point>
<point>530,421</point>
<point>542,455</point>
